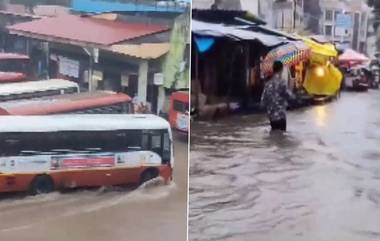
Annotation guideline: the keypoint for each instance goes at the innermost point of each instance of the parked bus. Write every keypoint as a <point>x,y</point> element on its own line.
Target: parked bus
<point>34,89</point>
<point>179,111</point>
<point>14,67</point>
<point>45,153</point>
<point>99,102</point>
<point>11,77</point>
<point>14,62</point>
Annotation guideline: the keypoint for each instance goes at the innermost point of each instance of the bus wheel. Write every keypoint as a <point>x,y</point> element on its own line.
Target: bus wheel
<point>42,184</point>
<point>148,174</point>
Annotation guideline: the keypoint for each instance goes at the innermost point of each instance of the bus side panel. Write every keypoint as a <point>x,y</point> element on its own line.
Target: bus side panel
<point>16,182</point>
<point>83,178</point>
<point>123,176</point>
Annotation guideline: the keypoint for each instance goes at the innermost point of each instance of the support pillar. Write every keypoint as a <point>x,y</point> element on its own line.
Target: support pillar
<point>142,81</point>
<point>161,100</point>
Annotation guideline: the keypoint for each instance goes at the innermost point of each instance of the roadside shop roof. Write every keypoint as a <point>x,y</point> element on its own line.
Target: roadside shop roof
<point>84,30</point>
<point>238,33</point>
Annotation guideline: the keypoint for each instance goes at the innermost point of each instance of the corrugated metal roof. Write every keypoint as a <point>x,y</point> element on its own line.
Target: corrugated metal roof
<point>96,6</point>
<point>142,51</point>
<point>86,29</point>
<point>234,32</point>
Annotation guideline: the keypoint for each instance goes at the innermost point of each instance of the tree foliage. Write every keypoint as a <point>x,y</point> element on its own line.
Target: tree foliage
<point>313,7</point>
<point>312,13</point>
<point>374,3</point>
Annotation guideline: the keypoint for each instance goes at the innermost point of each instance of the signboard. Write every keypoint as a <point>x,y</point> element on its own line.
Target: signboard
<point>343,32</point>
<point>158,79</point>
<point>97,75</point>
<point>68,67</point>
<point>125,80</point>
<point>343,21</point>
<point>89,161</point>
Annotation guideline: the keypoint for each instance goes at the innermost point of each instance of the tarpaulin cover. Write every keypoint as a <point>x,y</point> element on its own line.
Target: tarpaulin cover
<point>237,33</point>
<point>323,80</point>
<point>289,54</point>
<point>321,53</point>
<point>204,43</point>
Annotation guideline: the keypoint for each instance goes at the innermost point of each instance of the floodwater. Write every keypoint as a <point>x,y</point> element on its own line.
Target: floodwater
<point>318,182</point>
<point>153,212</point>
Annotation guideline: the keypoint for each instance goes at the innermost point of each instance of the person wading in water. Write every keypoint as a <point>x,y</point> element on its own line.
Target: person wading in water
<point>275,98</point>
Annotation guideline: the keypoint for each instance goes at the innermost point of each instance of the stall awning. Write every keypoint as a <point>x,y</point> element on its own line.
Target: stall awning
<point>350,55</point>
<point>289,54</point>
<point>142,51</point>
<point>237,33</point>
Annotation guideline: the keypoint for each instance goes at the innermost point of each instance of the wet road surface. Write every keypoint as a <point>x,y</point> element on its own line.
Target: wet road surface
<point>154,212</point>
<point>320,181</point>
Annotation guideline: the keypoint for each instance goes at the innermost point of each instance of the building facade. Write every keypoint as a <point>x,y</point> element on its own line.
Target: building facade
<point>345,23</point>
<point>285,15</point>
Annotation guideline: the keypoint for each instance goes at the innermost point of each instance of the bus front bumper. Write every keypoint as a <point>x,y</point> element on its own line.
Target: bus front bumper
<point>166,172</point>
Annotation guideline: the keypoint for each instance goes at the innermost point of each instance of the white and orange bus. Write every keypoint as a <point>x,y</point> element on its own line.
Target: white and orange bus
<point>44,153</point>
<point>98,102</point>
<point>34,89</point>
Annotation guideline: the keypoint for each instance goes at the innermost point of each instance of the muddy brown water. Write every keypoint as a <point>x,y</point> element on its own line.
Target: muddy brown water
<point>153,212</point>
<point>320,181</point>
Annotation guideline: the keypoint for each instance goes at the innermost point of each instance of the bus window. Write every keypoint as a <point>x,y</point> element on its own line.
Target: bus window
<point>145,141</point>
<point>155,143</point>
<point>180,106</point>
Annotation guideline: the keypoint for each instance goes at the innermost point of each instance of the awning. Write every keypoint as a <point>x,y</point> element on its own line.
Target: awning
<point>289,54</point>
<point>142,51</point>
<point>237,33</point>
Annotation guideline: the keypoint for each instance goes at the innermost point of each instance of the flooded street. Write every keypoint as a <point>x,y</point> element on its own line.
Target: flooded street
<point>320,181</point>
<point>154,212</point>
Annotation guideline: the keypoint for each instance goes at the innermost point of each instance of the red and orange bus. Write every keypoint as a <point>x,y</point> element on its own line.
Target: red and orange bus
<point>179,111</point>
<point>99,102</point>
<point>11,77</point>
<point>45,153</point>
<point>13,67</point>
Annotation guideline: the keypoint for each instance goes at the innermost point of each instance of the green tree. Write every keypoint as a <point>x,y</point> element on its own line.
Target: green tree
<point>313,12</point>
<point>2,4</point>
<point>376,11</point>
